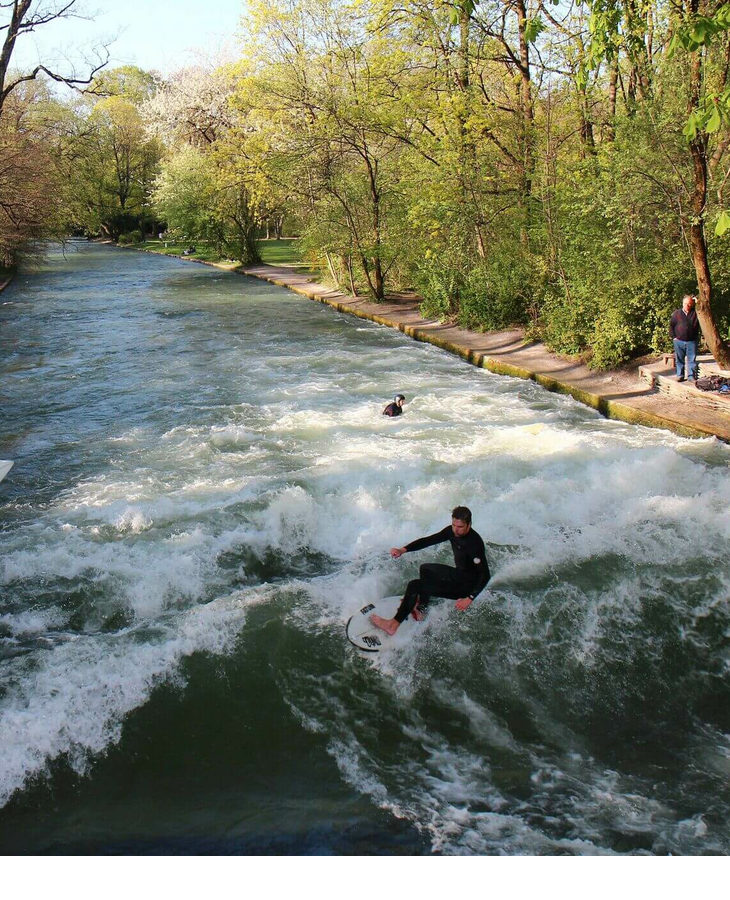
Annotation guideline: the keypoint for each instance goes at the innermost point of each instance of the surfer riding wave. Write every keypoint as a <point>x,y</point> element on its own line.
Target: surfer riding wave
<point>462,583</point>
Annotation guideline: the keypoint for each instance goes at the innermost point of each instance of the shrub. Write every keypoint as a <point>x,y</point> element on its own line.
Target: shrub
<point>497,294</point>
<point>478,294</point>
<point>440,283</point>
<point>130,237</point>
<point>619,319</point>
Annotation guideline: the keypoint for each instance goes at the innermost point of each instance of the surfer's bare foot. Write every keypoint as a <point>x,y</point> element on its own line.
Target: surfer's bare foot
<point>389,626</point>
<point>417,614</point>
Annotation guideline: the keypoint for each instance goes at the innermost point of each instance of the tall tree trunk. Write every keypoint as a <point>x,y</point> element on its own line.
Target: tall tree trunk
<point>351,274</point>
<point>464,25</point>
<point>587,141</point>
<point>378,286</point>
<point>13,29</point>
<point>528,116</point>
<point>331,267</point>
<point>612,91</point>
<point>697,241</point>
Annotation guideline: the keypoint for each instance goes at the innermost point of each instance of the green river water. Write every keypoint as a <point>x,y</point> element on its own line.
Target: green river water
<point>204,490</point>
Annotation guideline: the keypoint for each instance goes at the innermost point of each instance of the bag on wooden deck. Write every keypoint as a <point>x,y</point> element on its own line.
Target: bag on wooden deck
<point>713,383</point>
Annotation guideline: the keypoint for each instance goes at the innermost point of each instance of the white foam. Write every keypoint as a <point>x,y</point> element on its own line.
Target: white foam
<point>33,621</point>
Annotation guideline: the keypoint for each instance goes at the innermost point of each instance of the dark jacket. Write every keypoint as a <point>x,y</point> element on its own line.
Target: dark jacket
<point>392,409</point>
<point>684,326</point>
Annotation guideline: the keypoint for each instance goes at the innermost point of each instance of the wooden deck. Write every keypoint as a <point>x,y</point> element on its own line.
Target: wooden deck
<point>661,377</point>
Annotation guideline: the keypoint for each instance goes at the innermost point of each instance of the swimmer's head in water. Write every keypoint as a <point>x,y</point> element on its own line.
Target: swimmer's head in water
<point>399,399</point>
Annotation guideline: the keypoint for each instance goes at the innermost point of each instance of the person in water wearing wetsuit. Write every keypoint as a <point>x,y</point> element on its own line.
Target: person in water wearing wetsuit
<point>462,583</point>
<point>396,407</point>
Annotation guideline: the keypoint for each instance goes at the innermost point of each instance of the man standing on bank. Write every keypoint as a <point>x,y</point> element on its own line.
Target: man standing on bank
<point>684,329</point>
<point>462,583</point>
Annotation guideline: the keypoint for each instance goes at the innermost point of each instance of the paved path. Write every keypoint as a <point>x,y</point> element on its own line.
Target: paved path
<point>619,394</point>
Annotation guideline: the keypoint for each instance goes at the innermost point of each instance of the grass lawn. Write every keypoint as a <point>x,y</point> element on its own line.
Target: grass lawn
<point>284,251</point>
<point>273,252</point>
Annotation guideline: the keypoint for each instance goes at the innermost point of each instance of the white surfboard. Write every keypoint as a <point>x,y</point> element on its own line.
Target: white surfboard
<point>5,466</point>
<point>361,632</point>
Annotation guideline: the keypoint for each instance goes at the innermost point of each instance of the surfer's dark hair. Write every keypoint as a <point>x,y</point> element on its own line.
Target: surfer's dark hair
<point>462,514</point>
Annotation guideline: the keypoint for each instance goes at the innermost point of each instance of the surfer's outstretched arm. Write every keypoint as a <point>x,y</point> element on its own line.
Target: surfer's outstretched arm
<point>421,543</point>
<point>430,540</point>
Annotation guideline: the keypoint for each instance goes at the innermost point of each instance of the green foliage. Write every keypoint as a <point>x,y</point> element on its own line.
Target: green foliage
<point>199,197</point>
<point>497,294</point>
<point>110,159</point>
<point>712,111</point>
<point>122,223</point>
<point>620,319</point>
<point>723,223</point>
<point>477,294</point>
<point>533,27</point>
<point>699,30</point>
<point>130,82</point>
<point>130,237</point>
<point>440,281</point>
<point>184,192</point>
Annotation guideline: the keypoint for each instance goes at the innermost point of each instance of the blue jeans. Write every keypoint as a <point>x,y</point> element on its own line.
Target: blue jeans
<point>686,350</point>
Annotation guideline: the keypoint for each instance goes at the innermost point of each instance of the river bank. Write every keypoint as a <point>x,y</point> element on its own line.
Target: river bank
<point>6,276</point>
<point>617,394</point>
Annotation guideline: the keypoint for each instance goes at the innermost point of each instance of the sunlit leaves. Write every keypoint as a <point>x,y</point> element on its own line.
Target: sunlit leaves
<point>533,27</point>
<point>723,223</point>
<point>698,31</point>
<point>711,113</point>
<point>462,8</point>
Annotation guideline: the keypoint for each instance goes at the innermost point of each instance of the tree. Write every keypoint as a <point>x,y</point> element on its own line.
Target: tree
<point>25,17</point>
<point>208,188</point>
<point>129,82</point>
<point>692,26</point>
<point>30,187</point>
<point>111,159</point>
<point>317,97</point>
<point>202,195</point>
<point>31,183</point>
<point>191,106</point>
<point>184,195</point>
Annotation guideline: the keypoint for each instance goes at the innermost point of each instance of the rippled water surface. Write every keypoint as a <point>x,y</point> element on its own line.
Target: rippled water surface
<point>205,490</point>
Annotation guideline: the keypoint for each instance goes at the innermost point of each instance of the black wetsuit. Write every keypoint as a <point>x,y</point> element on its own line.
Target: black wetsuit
<point>392,409</point>
<point>466,580</point>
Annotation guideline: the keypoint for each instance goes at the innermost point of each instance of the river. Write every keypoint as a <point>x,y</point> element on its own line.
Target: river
<point>204,490</point>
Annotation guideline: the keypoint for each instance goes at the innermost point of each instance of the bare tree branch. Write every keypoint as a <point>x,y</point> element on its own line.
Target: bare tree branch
<point>26,16</point>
